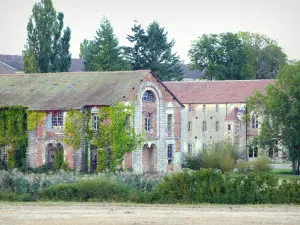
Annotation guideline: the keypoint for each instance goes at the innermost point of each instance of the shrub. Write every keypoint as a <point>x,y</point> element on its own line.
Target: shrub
<point>261,164</point>
<point>95,190</point>
<point>193,160</point>
<point>209,186</point>
<point>220,155</point>
<point>242,166</point>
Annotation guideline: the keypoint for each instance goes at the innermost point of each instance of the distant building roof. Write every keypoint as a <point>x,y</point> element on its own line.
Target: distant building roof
<point>16,62</point>
<point>232,116</point>
<point>67,90</point>
<point>190,74</point>
<point>226,91</point>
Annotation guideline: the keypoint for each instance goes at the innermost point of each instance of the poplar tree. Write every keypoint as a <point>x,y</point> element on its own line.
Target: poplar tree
<point>47,47</point>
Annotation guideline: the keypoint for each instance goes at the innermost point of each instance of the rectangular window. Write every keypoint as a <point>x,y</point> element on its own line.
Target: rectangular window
<point>190,108</point>
<point>57,119</point>
<point>204,109</point>
<point>4,154</point>
<point>170,154</point>
<point>217,108</point>
<point>169,123</point>
<point>189,126</point>
<point>228,127</point>
<point>217,126</point>
<point>95,121</point>
<point>127,123</point>
<point>147,122</point>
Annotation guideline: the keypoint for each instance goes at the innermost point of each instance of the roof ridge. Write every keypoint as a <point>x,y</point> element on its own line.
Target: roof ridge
<point>215,81</point>
<point>73,73</point>
<point>8,65</point>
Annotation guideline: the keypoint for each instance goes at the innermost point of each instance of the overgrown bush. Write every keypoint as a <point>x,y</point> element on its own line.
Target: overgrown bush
<point>88,190</point>
<point>261,164</point>
<point>242,166</point>
<point>210,186</point>
<point>220,155</point>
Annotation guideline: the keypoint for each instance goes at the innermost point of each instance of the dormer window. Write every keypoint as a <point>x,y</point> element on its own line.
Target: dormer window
<point>148,96</point>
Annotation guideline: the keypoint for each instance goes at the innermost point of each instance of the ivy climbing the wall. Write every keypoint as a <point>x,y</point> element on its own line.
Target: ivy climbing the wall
<point>13,134</point>
<point>73,129</point>
<point>34,119</point>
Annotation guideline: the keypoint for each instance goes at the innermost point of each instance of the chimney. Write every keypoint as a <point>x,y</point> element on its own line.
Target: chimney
<point>23,53</point>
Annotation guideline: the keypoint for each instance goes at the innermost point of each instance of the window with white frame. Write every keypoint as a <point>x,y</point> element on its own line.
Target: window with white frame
<point>127,122</point>
<point>217,108</point>
<point>189,126</point>
<point>95,121</point>
<point>148,122</point>
<point>204,127</point>
<point>4,157</point>
<point>228,127</point>
<point>148,96</point>
<point>254,120</point>
<point>190,148</point>
<point>204,146</point>
<point>169,122</point>
<point>217,126</point>
<point>170,154</point>
<point>57,119</point>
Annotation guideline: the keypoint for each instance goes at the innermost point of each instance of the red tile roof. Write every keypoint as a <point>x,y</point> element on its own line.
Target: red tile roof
<point>226,91</point>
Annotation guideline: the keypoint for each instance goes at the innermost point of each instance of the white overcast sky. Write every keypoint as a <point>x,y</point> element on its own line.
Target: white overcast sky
<point>185,20</point>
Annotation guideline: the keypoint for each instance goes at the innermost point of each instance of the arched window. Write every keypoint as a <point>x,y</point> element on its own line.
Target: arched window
<point>204,128</point>
<point>189,126</point>
<point>148,96</point>
<point>217,126</point>
<point>190,147</point>
<point>254,120</point>
<point>253,153</point>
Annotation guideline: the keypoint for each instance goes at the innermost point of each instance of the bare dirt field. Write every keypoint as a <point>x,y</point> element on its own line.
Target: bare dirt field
<point>91,213</point>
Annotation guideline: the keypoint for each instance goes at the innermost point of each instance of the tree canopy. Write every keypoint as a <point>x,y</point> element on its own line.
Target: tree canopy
<point>151,50</point>
<point>237,56</point>
<point>103,53</point>
<point>47,47</point>
<point>280,109</point>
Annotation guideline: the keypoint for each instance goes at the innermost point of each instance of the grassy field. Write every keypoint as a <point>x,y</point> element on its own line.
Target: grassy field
<point>285,174</point>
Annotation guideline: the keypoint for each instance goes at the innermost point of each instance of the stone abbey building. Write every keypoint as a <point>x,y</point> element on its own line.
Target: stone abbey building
<point>176,117</point>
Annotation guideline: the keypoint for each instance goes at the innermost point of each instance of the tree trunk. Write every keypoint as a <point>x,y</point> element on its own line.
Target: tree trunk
<point>296,167</point>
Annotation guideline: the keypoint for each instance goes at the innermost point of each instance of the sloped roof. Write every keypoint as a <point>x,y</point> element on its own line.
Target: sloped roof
<point>16,62</point>
<point>67,90</point>
<point>206,92</point>
<point>232,116</point>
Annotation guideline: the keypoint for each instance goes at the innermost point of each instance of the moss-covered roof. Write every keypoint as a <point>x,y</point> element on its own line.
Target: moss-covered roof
<point>67,90</point>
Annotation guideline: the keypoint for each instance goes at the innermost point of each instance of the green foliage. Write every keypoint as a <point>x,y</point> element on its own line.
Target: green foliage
<point>237,56</point>
<point>209,186</point>
<point>58,159</point>
<point>13,133</point>
<point>34,118</point>
<point>242,166</point>
<point>222,56</point>
<point>113,136</point>
<point>261,164</point>
<point>279,107</point>
<point>73,129</point>
<point>265,56</point>
<point>152,50</point>
<point>103,53</point>
<point>47,49</point>
<point>220,155</point>
<point>89,190</point>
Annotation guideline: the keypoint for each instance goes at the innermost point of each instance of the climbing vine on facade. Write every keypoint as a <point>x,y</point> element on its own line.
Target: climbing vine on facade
<point>73,129</point>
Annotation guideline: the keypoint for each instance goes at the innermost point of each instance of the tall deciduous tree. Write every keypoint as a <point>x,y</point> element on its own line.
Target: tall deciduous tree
<point>221,56</point>
<point>103,53</point>
<point>280,108</point>
<point>266,56</point>
<point>47,49</point>
<point>151,50</point>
